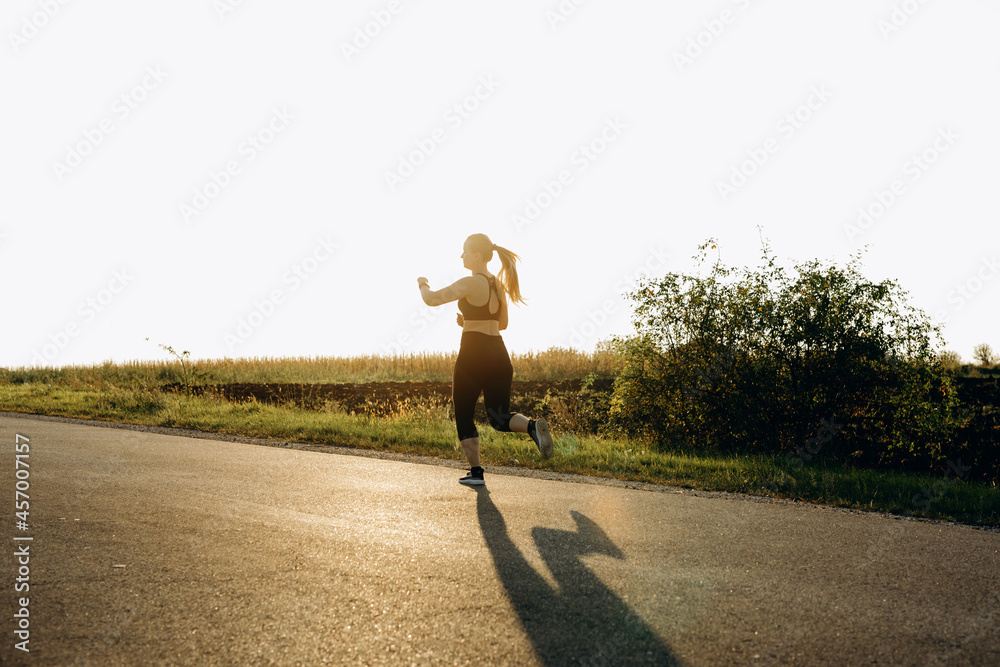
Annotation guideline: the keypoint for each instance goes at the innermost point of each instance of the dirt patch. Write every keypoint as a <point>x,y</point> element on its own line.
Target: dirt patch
<point>566,400</point>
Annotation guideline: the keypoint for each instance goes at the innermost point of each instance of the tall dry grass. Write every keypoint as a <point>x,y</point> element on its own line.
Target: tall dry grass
<point>552,364</point>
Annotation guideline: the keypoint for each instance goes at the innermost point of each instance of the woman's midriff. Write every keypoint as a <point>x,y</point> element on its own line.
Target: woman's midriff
<point>489,327</point>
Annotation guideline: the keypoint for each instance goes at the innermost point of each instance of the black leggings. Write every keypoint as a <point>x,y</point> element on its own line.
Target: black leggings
<point>483,366</point>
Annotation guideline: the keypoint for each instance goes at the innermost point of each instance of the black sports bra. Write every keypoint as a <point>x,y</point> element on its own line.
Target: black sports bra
<point>470,312</point>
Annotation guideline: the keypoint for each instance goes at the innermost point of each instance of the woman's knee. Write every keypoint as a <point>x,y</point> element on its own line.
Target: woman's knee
<point>466,428</point>
<point>499,419</point>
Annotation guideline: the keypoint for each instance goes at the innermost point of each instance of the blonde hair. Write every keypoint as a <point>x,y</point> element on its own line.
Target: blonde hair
<point>507,277</point>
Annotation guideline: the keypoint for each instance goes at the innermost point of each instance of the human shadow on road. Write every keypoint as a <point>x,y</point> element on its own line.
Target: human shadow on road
<point>582,621</point>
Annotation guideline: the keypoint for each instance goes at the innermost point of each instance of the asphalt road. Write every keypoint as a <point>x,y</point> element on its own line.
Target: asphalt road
<point>156,549</point>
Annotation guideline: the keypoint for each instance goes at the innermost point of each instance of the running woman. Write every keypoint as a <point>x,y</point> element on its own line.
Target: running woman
<point>483,365</point>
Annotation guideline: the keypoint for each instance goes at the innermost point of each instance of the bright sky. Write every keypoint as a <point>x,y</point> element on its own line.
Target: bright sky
<point>250,178</point>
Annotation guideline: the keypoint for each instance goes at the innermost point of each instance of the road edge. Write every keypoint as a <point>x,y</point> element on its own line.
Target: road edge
<point>512,471</point>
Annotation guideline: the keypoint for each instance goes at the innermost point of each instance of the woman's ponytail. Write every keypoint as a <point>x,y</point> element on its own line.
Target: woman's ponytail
<point>508,273</point>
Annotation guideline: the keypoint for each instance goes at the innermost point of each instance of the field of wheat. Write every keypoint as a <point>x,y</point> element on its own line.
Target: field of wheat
<point>550,365</point>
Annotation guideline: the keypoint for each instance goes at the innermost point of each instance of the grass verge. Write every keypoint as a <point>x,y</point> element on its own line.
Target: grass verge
<point>430,432</point>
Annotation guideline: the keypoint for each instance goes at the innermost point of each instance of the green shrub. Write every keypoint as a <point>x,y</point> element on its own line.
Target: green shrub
<point>759,359</point>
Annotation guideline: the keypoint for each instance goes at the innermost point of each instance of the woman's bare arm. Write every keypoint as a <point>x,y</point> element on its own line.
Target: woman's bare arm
<point>453,292</point>
<point>503,312</point>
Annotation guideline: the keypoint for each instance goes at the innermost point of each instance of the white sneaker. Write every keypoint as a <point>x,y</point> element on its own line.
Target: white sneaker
<point>543,438</point>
